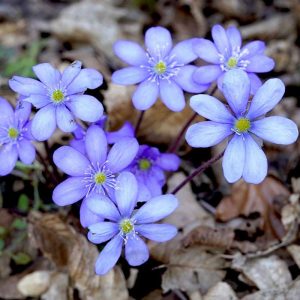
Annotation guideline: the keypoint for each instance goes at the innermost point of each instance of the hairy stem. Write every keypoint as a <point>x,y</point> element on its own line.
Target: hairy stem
<point>139,122</point>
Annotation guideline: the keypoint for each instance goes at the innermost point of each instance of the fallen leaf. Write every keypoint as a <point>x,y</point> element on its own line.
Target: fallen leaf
<point>221,290</point>
<point>58,289</point>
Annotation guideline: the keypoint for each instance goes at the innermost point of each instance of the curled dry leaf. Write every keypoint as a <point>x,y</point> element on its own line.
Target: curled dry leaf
<point>58,289</point>
<point>71,251</point>
<point>221,290</point>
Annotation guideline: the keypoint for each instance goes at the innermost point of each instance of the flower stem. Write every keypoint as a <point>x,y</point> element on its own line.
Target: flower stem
<point>174,146</point>
<point>139,122</point>
<point>197,171</point>
<point>50,160</point>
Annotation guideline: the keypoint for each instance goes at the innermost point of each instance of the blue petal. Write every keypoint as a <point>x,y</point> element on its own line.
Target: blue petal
<point>168,162</point>
<point>234,159</point>
<point>153,185</point>
<point>131,53</point>
<point>136,251</point>
<point>44,123</point>
<point>145,95</point>
<point>255,83</point>
<point>183,53</point>
<point>101,232</point>
<point>157,232</point>
<point>143,193</point>
<point>129,75</point>
<point>234,37</point>
<point>38,101</point>
<point>211,108</point>
<point>207,134</point>
<point>256,165</point>
<point>6,109</point>
<point>184,79</point>
<point>126,131</point>
<point>69,191</point>
<point>8,159</point>
<point>158,41</point>
<point>27,86</point>
<point>207,51</point>
<point>23,110</point>
<point>70,161</point>
<point>117,158</point>
<point>26,152</point>
<point>236,89</point>
<point>207,74</point>
<point>266,98</point>
<point>220,39</point>
<point>65,120</point>
<point>87,217</point>
<point>96,145</point>
<point>156,209</point>
<point>70,73</point>
<point>172,95</point>
<point>253,48</point>
<point>47,75</point>
<point>109,255</point>
<point>85,108</point>
<point>260,64</point>
<point>126,193</point>
<point>278,130</point>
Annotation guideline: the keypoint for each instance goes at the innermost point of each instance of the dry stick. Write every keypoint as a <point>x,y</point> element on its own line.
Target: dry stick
<point>139,122</point>
<point>197,171</point>
<point>175,145</point>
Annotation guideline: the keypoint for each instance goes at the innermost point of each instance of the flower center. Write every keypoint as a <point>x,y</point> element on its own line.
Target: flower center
<point>13,133</point>
<point>100,178</point>
<point>58,96</point>
<point>232,62</point>
<point>144,164</point>
<point>242,125</point>
<point>126,226</point>
<point>160,67</point>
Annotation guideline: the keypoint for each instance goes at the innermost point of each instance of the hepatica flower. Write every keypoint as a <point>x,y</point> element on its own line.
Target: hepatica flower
<point>244,123</point>
<point>148,167</point>
<point>15,137</point>
<point>226,53</point>
<point>124,226</point>
<point>161,71</point>
<point>59,97</point>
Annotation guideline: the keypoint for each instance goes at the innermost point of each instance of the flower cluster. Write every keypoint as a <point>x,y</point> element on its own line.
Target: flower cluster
<point>119,181</point>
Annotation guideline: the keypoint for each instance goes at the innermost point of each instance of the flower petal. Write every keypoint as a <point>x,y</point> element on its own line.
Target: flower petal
<point>256,165</point>
<point>143,193</point>
<point>207,51</point>
<point>26,86</point>
<point>211,108</point>
<point>47,74</point>
<point>109,255</point>
<point>168,162</point>
<point>8,159</point>
<point>207,74</point>
<point>23,110</point>
<point>184,79</point>
<point>145,95</point>
<point>86,108</point>
<point>156,209</point>
<point>130,52</point>
<point>136,251</point>
<point>26,152</point>
<point>278,130</point>
<point>6,110</point>
<point>96,145</point>
<point>101,232</point>
<point>129,75</point>
<point>157,232</point>
<point>38,101</point>
<point>117,158</point>
<point>70,73</point>
<point>87,217</point>
<point>153,185</point>
<point>86,79</point>
<point>103,206</point>
<point>158,41</point>
<point>172,95</point>
<point>70,161</point>
<point>253,48</point>
<point>44,123</point>
<point>220,38</point>
<point>234,37</point>
<point>236,89</point>
<point>207,134</point>
<point>234,159</point>
<point>183,52</point>
<point>126,131</point>
<point>69,191</point>
<point>255,83</point>
<point>126,193</point>
<point>65,120</point>
<point>266,98</point>
<point>260,64</point>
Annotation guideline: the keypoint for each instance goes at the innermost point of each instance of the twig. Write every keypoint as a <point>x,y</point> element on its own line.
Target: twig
<point>139,122</point>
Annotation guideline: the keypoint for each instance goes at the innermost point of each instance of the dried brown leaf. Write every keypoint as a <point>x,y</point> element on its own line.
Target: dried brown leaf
<point>221,290</point>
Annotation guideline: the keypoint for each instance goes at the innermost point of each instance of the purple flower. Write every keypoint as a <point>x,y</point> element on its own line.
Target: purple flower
<point>125,226</point>
<point>96,171</point>
<point>15,137</point>
<point>59,96</point>
<point>245,124</point>
<point>148,167</point>
<point>161,71</point>
<point>227,53</point>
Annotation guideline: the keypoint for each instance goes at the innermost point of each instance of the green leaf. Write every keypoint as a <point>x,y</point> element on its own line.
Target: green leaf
<point>3,231</point>
<point>21,258</point>
<point>23,203</point>
<point>19,224</point>
<point>2,245</point>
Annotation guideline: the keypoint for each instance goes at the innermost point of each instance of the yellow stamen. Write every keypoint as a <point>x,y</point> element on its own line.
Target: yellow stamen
<point>58,96</point>
<point>144,164</point>
<point>232,62</point>
<point>126,226</point>
<point>100,178</point>
<point>13,133</point>
<point>160,67</point>
<point>242,125</point>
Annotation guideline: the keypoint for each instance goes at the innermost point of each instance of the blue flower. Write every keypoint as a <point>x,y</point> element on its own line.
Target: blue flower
<point>123,225</point>
<point>59,97</point>
<point>148,167</point>
<point>95,172</point>
<point>245,123</point>
<point>161,71</point>
<point>227,53</point>
<point>15,137</point>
